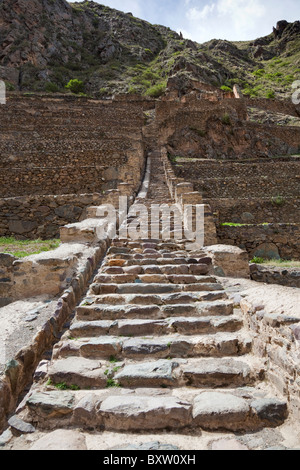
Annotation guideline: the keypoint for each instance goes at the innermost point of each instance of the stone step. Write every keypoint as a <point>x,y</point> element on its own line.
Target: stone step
<point>153,279</point>
<point>104,347</point>
<point>151,261</point>
<point>100,309</point>
<point>141,327</point>
<point>154,288</point>
<point>185,269</point>
<point>123,410</point>
<point>83,373</point>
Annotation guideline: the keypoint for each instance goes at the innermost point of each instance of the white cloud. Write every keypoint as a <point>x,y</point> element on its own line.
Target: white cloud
<point>202,20</point>
<point>128,6</point>
<point>195,14</point>
<point>243,13</point>
<point>236,19</point>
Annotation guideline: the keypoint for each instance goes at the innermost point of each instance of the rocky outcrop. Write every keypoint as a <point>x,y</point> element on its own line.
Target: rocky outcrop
<point>44,44</point>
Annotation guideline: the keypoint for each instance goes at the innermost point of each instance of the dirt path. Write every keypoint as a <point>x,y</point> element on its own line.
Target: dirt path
<point>275,298</point>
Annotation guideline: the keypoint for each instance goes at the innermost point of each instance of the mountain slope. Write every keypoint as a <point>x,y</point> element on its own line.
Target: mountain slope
<point>45,43</point>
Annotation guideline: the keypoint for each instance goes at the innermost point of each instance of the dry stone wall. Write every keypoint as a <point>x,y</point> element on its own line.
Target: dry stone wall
<point>221,130</point>
<point>289,277</point>
<point>265,241</point>
<point>239,180</point>
<point>6,278</point>
<point>276,338</point>
<point>256,210</point>
<point>41,216</point>
<point>60,155</point>
<point>69,145</point>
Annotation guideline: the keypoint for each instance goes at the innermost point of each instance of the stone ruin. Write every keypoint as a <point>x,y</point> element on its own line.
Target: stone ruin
<point>144,336</point>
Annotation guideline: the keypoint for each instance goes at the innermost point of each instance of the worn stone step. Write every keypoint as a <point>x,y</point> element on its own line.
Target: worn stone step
<point>149,261</point>
<point>140,327</point>
<point>97,310</point>
<point>143,411</point>
<point>78,372</point>
<point>222,372</point>
<point>148,288</point>
<point>200,373</point>
<point>153,278</point>
<point>217,410</point>
<point>185,269</point>
<point>103,347</point>
<point>155,299</point>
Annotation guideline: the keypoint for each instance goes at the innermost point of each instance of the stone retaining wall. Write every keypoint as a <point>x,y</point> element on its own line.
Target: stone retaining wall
<point>242,179</point>
<point>276,337</point>
<point>6,278</point>
<point>289,277</point>
<point>68,145</point>
<point>183,192</point>
<point>265,241</point>
<point>19,370</point>
<point>32,217</point>
<point>256,210</point>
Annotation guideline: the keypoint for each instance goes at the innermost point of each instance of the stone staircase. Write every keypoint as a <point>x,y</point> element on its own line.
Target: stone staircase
<point>155,346</point>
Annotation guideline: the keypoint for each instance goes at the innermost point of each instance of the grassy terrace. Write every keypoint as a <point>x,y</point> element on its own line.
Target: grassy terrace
<point>22,248</point>
<point>279,263</point>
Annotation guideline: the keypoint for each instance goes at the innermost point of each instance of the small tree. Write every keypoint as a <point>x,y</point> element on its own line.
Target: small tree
<point>75,86</point>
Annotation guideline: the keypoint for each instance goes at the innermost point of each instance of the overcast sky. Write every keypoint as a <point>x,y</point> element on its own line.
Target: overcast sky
<point>202,20</point>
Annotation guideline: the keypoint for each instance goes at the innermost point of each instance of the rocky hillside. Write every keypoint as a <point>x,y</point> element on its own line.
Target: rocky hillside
<point>46,43</point>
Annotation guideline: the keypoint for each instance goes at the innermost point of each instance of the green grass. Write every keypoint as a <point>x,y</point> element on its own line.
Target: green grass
<point>111,383</point>
<point>231,224</point>
<point>63,386</point>
<point>23,248</point>
<point>281,263</point>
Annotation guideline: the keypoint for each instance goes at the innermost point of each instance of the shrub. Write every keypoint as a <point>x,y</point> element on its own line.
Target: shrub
<point>226,119</point>
<point>270,94</point>
<point>200,132</point>
<point>257,260</point>
<point>259,73</point>
<point>51,87</point>
<point>156,90</point>
<point>75,86</point>
<point>226,88</point>
<point>250,92</point>
<point>278,201</point>
<point>9,86</point>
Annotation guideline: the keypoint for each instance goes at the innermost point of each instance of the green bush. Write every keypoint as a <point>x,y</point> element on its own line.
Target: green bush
<point>156,90</point>
<point>226,119</point>
<point>51,87</point>
<point>9,86</point>
<point>75,86</point>
<point>259,73</point>
<point>270,94</point>
<point>278,201</point>
<point>257,260</point>
<point>226,88</point>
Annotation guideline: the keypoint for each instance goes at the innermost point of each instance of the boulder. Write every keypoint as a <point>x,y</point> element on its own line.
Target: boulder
<point>229,261</point>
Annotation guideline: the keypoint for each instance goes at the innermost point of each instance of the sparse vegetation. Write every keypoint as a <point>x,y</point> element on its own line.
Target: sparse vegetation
<point>156,90</point>
<point>23,248</point>
<point>278,201</point>
<point>111,383</point>
<point>75,86</point>
<point>226,119</point>
<point>129,65</point>
<point>51,87</point>
<point>63,386</point>
<point>270,94</point>
<point>226,88</point>
<point>280,263</point>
